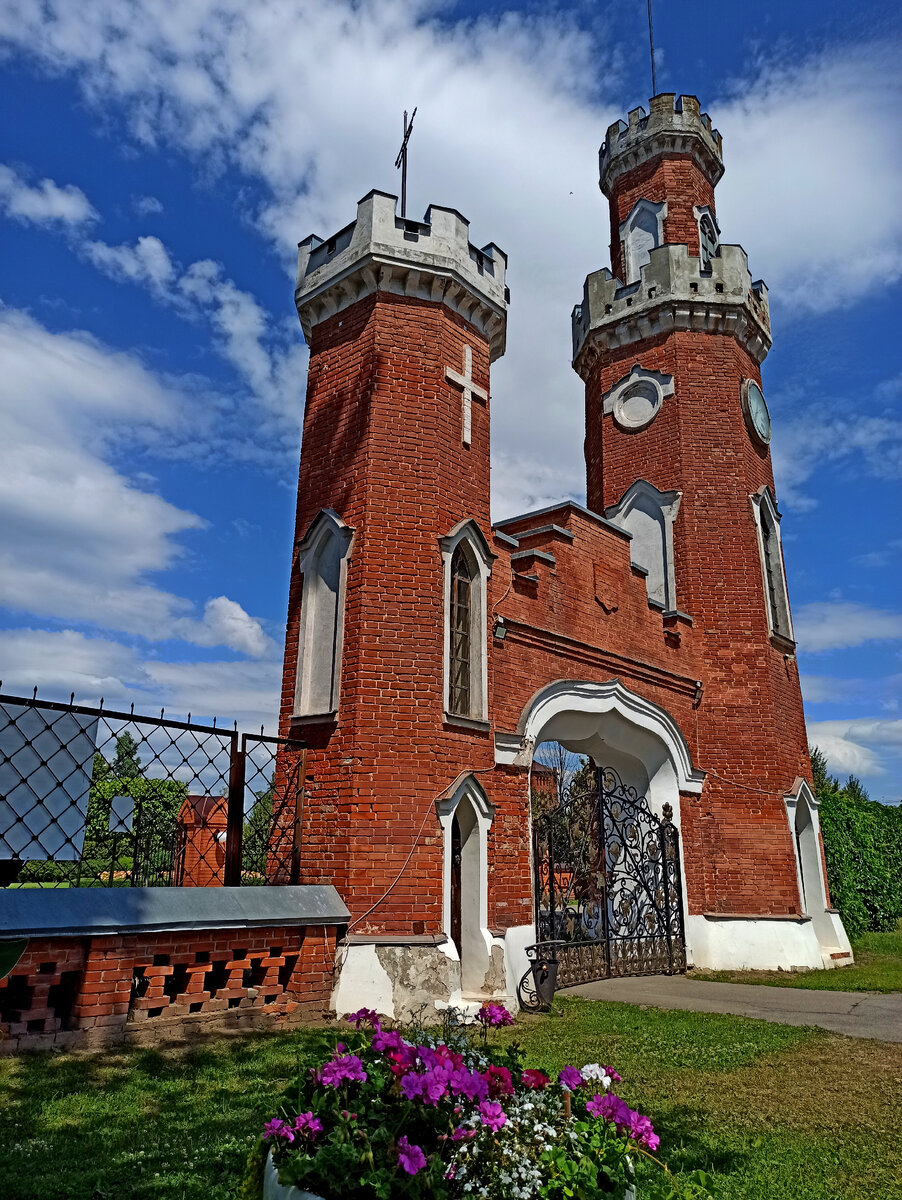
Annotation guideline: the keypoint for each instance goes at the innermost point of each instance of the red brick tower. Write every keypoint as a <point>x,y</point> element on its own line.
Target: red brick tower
<point>677,451</point>
<point>402,319</point>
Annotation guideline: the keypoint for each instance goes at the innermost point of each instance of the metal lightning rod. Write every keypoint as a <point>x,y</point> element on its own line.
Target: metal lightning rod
<point>401,160</point>
<point>651,47</point>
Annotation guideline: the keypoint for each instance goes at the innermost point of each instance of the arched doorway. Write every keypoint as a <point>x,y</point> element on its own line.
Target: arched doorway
<point>608,896</point>
<point>466,816</point>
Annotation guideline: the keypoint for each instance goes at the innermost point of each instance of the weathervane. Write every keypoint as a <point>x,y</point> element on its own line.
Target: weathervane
<point>651,47</point>
<point>401,160</point>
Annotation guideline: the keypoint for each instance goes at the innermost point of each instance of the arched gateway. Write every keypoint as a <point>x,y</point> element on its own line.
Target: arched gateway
<point>428,651</point>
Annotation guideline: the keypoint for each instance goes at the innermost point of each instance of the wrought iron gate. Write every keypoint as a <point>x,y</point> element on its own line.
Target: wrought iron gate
<point>608,893</point>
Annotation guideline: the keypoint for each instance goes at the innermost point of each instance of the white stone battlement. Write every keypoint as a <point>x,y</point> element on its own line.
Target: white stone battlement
<point>673,125</point>
<point>672,292</point>
<point>432,259</point>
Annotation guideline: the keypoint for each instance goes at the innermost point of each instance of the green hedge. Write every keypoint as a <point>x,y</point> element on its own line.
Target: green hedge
<point>863,849</point>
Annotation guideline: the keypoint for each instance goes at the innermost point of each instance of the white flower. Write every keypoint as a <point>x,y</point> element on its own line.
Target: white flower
<point>594,1072</point>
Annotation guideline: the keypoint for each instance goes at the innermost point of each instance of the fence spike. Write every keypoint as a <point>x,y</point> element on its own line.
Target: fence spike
<point>162,710</point>
<point>34,694</point>
<point>71,697</point>
<point>189,718</point>
<point>100,705</point>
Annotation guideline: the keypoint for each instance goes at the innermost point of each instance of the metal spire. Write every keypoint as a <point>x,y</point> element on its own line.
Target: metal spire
<point>651,47</point>
<point>401,160</point>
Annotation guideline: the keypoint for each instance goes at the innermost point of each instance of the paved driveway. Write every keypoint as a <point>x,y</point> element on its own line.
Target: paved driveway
<point>858,1014</point>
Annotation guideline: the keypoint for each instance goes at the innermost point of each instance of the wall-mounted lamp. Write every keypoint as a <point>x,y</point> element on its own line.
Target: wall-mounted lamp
<point>500,629</point>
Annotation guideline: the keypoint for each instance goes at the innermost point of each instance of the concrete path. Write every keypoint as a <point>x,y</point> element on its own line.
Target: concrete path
<point>858,1014</point>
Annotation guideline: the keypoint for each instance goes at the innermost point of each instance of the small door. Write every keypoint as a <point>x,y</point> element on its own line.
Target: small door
<point>455,884</point>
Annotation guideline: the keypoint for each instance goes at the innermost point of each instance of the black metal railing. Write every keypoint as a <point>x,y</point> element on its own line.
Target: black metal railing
<point>94,797</point>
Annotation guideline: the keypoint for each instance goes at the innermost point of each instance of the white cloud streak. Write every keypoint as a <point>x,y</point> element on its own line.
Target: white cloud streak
<point>829,625</point>
<point>46,203</point>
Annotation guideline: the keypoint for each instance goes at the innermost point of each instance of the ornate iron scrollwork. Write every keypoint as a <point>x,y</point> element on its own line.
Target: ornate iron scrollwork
<point>608,897</point>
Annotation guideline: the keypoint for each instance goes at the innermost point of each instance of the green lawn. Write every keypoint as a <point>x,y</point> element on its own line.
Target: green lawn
<point>773,1112</point>
<point>878,968</point>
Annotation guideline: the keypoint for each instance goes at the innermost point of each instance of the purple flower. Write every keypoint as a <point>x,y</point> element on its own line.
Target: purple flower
<point>610,1108</point>
<point>570,1079</point>
<point>494,1014</point>
<point>642,1131</point>
<point>461,1133</point>
<point>468,1083</point>
<point>430,1085</point>
<point>277,1129</point>
<point>411,1158</point>
<point>343,1068</point>
<point>492,1114</point>
<point>613,1074</point>
<point>499,1081</point>
<point>387,1039</point>
<point>308,1125</point>
<point>364,1016</point>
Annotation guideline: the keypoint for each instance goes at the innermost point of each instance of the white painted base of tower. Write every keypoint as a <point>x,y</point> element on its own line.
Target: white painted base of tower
<point>765,944</point>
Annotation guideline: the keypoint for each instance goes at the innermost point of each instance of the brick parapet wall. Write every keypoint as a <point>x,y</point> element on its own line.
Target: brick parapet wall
<point>82,992</point>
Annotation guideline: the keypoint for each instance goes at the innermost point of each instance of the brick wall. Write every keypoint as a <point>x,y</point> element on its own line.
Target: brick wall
<point>148,986</point>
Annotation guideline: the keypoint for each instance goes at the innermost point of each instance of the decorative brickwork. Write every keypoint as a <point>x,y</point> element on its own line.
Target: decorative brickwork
<point>102,989</point>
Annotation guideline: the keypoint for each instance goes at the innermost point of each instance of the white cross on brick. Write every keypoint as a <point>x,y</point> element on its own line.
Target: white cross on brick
<point>469,389</point>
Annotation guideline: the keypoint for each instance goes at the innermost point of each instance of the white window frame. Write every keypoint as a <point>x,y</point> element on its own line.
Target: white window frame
<point>764,508</point>
<point>614,399</point>
<point>468,788</point>
<point>668,503</point>
<point>631,271</point>
<point>325,526</point>
<point>700,211</point>
<point>481,557</point>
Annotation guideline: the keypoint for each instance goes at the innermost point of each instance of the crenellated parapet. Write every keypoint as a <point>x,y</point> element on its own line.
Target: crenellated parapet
<point>431,260</point>
<point>673,292</point>
<point>673,125</point>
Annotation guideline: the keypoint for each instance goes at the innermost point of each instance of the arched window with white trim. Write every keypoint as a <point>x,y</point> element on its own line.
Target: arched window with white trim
<point>640,233</point>
<point>776,596</point>
<point>467,565</point>
<point>322,561</point>
<point>648,514</point>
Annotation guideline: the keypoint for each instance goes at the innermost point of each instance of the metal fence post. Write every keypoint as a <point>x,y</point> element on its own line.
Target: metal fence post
<point>300,788</point>
<point>235,813</point>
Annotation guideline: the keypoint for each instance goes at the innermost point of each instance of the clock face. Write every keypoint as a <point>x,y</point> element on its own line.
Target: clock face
<point>756,415</point>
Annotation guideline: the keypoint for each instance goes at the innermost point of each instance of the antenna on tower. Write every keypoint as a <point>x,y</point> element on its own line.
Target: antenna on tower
<point>401,160</point>
<point>651,47</point>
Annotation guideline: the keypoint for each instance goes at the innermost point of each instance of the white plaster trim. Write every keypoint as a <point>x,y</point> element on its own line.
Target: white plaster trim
<point>632,269</point>
<point>584,697</point>
<point>467,788</point>
<point>614,398</point>
<point>827,925</point>
<point>326,524</point>
<point>468,531</point>
<point>778,624</point>
<point>668,504</point>
<point>362,981</point>
<point>746,944</point>
<point>507,747</point>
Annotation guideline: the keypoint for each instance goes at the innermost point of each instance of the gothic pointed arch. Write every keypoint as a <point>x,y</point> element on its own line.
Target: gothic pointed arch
<point>465,814</point>
<point>641,232</point>
<point>648,514</point>
<point>467,565</point>
<point>322,561</point>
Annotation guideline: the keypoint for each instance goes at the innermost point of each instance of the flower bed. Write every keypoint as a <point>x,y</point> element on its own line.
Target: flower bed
<point>384,1116</point>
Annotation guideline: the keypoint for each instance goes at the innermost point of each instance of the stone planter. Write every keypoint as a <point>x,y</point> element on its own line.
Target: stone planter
<point>273,1190</point>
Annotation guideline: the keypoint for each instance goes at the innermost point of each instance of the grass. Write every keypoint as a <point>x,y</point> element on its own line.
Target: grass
<point>770,1110</point>
<point>878,968</point>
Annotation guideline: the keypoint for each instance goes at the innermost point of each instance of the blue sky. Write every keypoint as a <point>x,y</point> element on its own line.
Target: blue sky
<point>159,163</point>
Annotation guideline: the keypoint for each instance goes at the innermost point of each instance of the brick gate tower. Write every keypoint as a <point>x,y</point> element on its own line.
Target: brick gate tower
<point>429,653</point>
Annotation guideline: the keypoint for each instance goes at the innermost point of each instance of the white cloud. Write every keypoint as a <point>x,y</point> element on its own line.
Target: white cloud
<point>837,625</point>
<point>94,668</point>
<point>79,538</point>
<point>45,204</point>
<point>147,263</point>
<point>147,206</point>
<point>304,98</point>
<point>860,745</point>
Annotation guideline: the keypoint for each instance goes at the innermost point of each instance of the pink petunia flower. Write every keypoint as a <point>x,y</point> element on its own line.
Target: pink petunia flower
<point>494,1014</point>
<point>470,1084</point>
<point>364,1016</point>
<point>277,1128</point>
<point>344,1068</point>
<point>499,1081</point>
<point>537,1080</point>
<point>492,1114</point>
<point>411,1158</point>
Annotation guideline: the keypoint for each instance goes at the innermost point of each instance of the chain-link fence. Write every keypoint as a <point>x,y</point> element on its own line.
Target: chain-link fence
<point>91,797</point>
